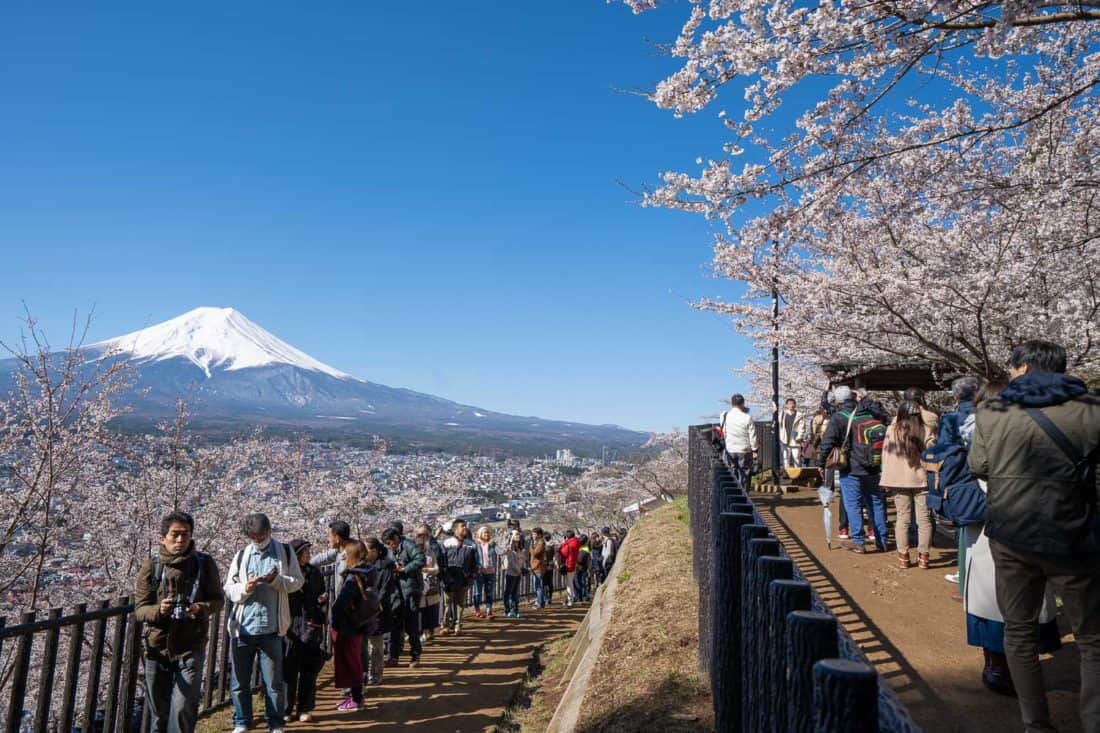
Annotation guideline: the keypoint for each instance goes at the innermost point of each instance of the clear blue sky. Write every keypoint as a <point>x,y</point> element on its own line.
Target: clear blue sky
<point>421,194</point>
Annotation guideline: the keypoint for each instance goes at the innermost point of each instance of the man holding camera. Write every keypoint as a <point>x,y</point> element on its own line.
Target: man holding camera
<point>177,591</point>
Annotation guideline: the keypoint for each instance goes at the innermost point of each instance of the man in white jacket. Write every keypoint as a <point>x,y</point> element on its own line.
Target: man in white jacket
<point>258,583</point>
<point>740,437</point>
<point>792,432</point>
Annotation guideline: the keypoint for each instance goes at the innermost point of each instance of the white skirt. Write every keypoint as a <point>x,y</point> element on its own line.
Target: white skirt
<point>980,592</point>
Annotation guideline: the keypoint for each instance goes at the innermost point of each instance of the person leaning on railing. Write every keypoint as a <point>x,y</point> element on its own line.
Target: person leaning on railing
<point>176,593</point>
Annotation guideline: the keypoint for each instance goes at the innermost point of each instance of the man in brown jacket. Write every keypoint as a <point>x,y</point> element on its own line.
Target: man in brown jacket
<point>538,565</point>
<point>1037,446</point>
<point>177,592</point>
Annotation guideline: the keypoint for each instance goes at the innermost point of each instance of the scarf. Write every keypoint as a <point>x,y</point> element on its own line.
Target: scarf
<point>176,570</point>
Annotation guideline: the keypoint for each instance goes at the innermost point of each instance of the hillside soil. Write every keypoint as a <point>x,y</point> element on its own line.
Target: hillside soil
<point>910,628</point>
<point>646,676</point>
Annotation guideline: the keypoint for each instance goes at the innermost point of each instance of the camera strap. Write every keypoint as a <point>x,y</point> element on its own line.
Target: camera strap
<point>158,574</point>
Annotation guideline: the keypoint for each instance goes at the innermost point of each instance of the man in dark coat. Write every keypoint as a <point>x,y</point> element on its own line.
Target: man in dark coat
<point>1037,446</point>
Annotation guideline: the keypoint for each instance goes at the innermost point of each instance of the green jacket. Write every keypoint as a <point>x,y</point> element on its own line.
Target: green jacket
<point>1035,500</point>
<point>411,558</point>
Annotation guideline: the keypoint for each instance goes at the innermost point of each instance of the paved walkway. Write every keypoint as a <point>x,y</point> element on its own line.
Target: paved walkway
<point>909,627</point>
<point>463,684</point>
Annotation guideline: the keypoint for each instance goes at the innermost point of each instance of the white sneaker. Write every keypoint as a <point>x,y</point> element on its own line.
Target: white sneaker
<point>952,578</point>
<point>305,718</point>
<point>240,729</point>
<point>274,730</point>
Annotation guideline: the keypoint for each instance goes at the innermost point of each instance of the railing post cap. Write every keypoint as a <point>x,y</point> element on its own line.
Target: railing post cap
<point>844,668</point>
<point>811,617</point>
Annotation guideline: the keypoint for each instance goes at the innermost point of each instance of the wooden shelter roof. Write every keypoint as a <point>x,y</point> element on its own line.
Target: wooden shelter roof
<point>929,376</point>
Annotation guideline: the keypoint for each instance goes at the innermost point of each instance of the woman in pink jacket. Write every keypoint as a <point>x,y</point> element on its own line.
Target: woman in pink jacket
<point>907,481</point>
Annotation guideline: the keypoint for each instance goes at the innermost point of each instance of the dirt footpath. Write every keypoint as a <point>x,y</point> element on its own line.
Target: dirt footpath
<point>462,685</point>
<point>909,627</point>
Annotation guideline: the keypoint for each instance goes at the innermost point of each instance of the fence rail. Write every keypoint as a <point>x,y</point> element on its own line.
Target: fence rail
<point>777,658</point>
<point>89,670</point>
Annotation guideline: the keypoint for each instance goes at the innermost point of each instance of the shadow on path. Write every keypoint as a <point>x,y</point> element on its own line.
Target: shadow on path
<point>463,684</point>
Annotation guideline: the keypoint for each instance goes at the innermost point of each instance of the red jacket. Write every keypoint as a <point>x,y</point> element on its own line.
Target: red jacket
<point>570,551</point>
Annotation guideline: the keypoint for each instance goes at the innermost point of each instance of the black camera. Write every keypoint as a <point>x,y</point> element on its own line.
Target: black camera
<point>179,608</point>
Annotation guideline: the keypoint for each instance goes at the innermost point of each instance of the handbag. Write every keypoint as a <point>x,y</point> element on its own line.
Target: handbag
<point>839,456</point>
<point>808,450</point>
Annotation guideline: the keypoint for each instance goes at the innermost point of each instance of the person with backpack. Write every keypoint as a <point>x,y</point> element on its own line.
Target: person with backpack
<point>354,614</point>
<point>985,626</point>
<point>389,605</point>
<point>538,562</point>
<point>177,591</point>
<point>305,655</point>
<point>259,582</point>
<point>584,565</point>
<point>739,435</point>
<point>853,446</point>
<point>1036,446</point>
<point>461,566</point>
<point>904,478</point>
<point>513,561</point>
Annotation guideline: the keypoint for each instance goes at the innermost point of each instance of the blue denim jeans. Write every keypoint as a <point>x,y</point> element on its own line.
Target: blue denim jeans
<point>483,591</point>
<point>580,585</point>
<point>540,592</point>
<point>243,650</point>
<point>859,491</point>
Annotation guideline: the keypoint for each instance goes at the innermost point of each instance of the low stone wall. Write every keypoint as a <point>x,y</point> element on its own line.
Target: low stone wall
<point>585,648</point>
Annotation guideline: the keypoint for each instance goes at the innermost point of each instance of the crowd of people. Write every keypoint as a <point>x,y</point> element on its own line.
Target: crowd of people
<point>385,593</point>
<point>1013,466</point>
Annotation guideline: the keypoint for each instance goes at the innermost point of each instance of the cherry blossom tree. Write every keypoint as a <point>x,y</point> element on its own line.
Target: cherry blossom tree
<point>931,197</point>
<point>53,444</point>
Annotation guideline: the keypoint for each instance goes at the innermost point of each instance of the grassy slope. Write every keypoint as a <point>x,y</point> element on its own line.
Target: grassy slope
<point>647,674</point>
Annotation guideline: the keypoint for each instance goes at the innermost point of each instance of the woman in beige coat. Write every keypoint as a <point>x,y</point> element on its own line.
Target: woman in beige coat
<point>906,480</point>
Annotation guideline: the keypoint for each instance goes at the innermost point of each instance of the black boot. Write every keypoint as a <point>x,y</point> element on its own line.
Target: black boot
<point>996,676</point>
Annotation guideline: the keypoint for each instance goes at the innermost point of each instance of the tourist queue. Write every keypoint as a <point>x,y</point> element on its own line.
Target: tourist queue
<point>1013,466</point>
<point>386,591</point>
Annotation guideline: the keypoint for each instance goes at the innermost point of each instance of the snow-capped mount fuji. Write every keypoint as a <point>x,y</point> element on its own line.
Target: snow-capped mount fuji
<point>212,338</point>
<point>234,374</point>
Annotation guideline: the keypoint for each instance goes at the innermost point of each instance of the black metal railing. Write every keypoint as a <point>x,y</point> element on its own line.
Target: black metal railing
<point>777,658</point>
<point>100,686</point>
<point>82,671</point>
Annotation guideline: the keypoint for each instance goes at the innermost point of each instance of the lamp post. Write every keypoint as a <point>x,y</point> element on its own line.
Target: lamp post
<point>777,459</point>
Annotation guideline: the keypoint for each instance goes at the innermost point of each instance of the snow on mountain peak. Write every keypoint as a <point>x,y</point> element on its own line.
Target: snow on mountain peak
<point>213,337</point>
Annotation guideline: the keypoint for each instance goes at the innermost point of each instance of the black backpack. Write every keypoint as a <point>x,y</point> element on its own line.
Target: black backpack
<point>366,607</point>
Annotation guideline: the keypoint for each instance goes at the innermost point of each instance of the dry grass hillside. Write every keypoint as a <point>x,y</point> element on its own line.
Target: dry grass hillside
<point>647,673</point>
